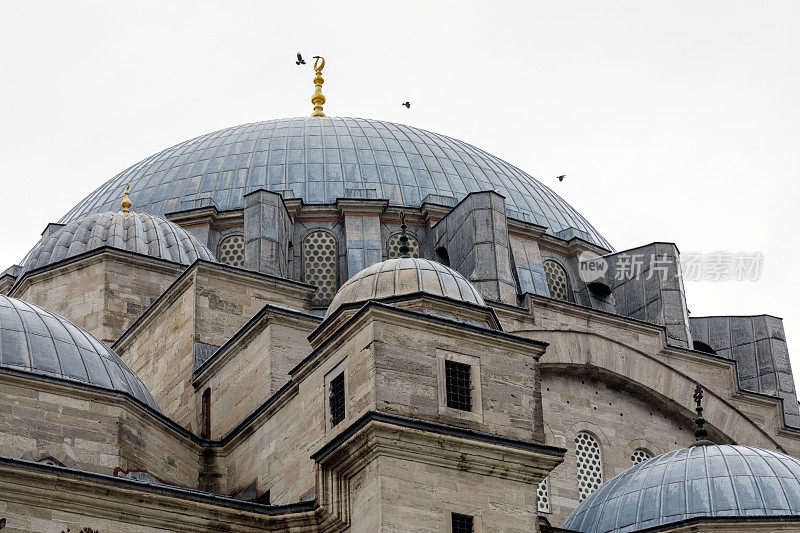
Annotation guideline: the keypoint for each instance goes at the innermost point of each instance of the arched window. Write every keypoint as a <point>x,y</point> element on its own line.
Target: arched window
<point>640,455</point>
<point>543,495</point>
<point>319,265</point>
<point>205,415</point>
<point>442,256</point>
<point>393,246</point>
<point>557,280</point>
<point>231,251</point>
<point>589,459</point>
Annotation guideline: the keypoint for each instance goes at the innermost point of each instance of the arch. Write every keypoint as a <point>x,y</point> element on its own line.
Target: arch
<point>557,280</point>
<point>640,455</point>
<point>393,246</point>
<point>589,461</point>
<point>319,265</point>
<point>442,256</point>
<point>609,359</point>
<point>643,444</point>
<point>231,251</point>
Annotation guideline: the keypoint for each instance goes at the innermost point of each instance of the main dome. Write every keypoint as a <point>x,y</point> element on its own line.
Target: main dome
<point>323,159</point>
<point>35,340</point>
<point>708,481</point>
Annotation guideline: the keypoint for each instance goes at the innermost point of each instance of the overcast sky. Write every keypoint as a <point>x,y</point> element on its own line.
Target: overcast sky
<point>673,121</point>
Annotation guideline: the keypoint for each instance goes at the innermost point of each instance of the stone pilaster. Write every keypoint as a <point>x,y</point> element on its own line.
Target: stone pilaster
<point>267,227</point>
<point>362,226</point>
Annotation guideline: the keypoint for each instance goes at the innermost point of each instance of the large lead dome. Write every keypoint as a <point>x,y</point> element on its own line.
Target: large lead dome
<point>322,159</point>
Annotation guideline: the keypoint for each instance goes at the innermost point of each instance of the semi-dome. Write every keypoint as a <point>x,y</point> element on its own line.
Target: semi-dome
<point>134,232</point>
<point>35,340</point>
<point>396,277</point>
<point>323,159</point>
<point>709,481</point>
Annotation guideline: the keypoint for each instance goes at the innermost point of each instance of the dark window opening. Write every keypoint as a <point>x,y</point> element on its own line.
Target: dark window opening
<point>459,385</point>
<point>703,347</point>
<point>337,399</point>
<point>600,290</point>
<point>205,415</point>
<point>442,256</point>
<point>463,523</point>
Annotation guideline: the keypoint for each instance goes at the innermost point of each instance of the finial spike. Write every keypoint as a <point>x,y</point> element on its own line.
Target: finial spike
<point>700,434</point>
<point>404,249</point>
<point>126,202</point>
<point>318,99</point>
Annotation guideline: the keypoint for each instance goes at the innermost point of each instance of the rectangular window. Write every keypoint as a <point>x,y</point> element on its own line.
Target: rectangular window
<point>337,399</point>
<point>462,523</point>
<point>459,385</point>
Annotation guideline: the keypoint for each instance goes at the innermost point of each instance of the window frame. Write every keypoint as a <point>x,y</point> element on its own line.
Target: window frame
<point>339,369</point>
<point>476,414</point>
<point>599,461</point>
<point>570,291</point>
<point>304,261</point>
<point>222,242</point>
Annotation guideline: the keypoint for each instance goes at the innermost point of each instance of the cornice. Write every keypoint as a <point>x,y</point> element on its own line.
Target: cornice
<point>378,433</point>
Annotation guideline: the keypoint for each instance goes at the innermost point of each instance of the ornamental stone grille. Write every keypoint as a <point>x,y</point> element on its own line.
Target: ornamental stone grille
<point>319,265</point>
<point>393,246</point>
<point>556,280</point>
<point>640,455</point>
<point>590,472</point>
<point>543,495</point>
<point>231,251</point>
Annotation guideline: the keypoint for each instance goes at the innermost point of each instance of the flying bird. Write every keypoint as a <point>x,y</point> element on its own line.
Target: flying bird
<point>407,104</point>
<point>561,178</point>
<point>300,60</point>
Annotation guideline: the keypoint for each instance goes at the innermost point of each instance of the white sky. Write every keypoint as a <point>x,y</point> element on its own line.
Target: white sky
<point>674,121</point>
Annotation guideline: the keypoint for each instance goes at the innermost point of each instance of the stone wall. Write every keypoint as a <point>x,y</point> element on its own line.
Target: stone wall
<point>104,293</point>
<point>88,429</point>
<point>620,420</point>
<point>241,377</point>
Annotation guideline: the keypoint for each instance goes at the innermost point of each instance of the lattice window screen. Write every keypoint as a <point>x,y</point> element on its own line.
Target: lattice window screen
<point>640,455</point>
<point>543,495</point>
<point>393,246</point>
<point>319,265</point>
<point>231,251</point>
<point>556,280</point>
<point>590,470</point>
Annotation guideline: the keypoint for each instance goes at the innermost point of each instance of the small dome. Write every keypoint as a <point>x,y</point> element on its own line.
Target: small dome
<point>708,481</point>
<point>405,276</point>
<point>35,340</point>
<point>134,232</point>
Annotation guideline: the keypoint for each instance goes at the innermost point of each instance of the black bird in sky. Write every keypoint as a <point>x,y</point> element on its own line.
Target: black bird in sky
<point>561,178</point>
<point>300,60</point>
<point>407,104</point>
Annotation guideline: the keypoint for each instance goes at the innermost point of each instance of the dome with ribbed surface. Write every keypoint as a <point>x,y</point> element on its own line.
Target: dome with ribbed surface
<point>134,232</point>
<point>724,481</point>
<point>35,340</point>
<point>323,159</point>
<point>397,277</point>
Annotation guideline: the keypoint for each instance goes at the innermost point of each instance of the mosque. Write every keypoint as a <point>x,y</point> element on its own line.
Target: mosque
<point>340,324</point>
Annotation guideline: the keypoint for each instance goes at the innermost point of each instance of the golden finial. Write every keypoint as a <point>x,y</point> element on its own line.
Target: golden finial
<point>126,202</point>
<point>318,99</point>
